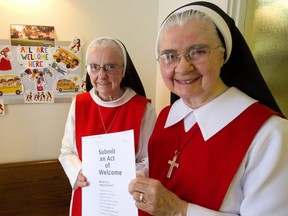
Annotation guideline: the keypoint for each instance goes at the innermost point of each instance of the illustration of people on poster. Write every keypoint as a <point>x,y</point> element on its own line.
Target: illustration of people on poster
<point>76,45</point>
<point>5,59</point>
<point>43,70</point>
<point>2,108</point>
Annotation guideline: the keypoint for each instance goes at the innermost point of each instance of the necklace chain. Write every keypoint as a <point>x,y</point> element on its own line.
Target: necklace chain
<point>178,151</point>
<point>103,124</point>
<point>173,162</point>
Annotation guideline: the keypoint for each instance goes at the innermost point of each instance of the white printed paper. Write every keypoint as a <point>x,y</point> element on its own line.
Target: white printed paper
<point>108,162</point>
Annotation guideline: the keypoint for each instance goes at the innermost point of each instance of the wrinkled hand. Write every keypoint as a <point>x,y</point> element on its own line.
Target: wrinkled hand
<point>81,180</point>
<point>152,197</point>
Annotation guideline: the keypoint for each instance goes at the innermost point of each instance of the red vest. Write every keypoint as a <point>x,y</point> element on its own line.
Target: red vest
<point>206,168</point>
<point>88,122</point>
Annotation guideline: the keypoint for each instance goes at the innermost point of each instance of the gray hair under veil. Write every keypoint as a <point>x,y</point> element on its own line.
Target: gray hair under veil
<point>240,69</point>
<point>130,76</point>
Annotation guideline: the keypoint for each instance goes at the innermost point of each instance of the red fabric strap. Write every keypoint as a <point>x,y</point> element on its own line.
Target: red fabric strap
<point>206,168</point>
<point>88,122</point>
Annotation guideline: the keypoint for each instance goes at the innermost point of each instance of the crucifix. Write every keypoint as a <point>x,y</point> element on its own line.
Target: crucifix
<point>173,164</point>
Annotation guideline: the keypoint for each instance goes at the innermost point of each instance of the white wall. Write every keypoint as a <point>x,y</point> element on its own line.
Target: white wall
<point>34,131</point>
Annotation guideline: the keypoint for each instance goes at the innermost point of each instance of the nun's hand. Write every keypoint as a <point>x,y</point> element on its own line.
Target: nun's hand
<point>152,197</point>
<point>81,180</point>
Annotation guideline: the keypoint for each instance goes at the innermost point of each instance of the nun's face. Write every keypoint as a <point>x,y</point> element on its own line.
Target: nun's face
<point>190,62</point>
<point>105,67</point>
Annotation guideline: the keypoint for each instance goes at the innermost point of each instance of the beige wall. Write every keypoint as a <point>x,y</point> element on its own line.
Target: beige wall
<point>34,131</point>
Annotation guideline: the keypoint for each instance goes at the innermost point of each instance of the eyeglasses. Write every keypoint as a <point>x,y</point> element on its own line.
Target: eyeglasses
<point>194,55</point>
<point>108,68</point>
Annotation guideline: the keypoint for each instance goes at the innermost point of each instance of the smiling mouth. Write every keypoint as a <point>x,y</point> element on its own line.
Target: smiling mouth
<point>188,81</point>
<point>99,83</point>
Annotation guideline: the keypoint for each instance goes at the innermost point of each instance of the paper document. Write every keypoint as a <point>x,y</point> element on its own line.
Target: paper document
<point>108,162</point>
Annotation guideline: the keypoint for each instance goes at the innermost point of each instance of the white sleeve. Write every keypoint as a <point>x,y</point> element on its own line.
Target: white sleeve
<point>199,210</point>
<point>69,158</point>
<point>147,126</point>
<point>265,181</point>
<point>260,186</point>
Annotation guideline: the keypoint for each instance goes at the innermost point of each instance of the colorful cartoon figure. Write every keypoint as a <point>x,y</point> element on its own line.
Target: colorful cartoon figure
<point>29,96</point>
<point>33,73</point>
<point>67,58</point>
<point>58,69</point>
<point>5,59</point>
<point>38,76</point>
<point>10,84</point>
<point>76,44</point>
<point>39,85</point>
<point>1,109</point>
<point>36,96</point>
<point>48,96</point>
<point>83,85</point>
<point>39,97</point>
<point>42,96</point>
<point>66,85</point>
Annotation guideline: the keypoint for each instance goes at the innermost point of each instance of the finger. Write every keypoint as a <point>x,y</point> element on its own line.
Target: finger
<point>81,183</point>
<point>131,186</point>
<point>82,177</point>
<point>141,184</point>
<point>135,196</point>
<point>139,197</point>
<point>136,185</point>
<point>140,173</point>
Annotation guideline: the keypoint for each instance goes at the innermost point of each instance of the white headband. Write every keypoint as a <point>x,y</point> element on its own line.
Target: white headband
<point>218,21</point>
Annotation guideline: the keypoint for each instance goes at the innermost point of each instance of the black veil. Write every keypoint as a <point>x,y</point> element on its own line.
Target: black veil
<point>131,78</point>
<point>241,69</point>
